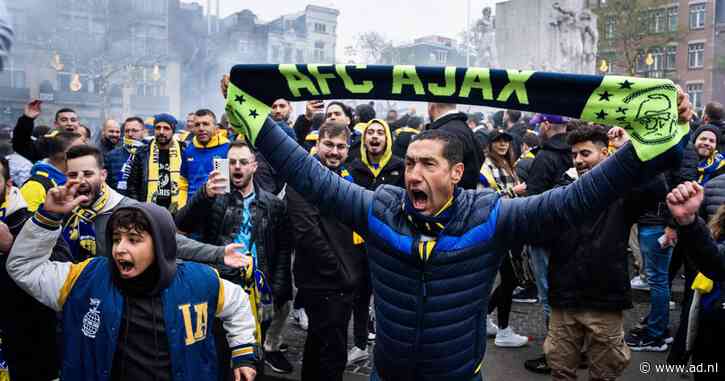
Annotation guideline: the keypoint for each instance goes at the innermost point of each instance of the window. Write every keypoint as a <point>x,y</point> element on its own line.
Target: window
<point>300,56</point>
<point>696,55</point>
<point>440,56</point>
<point>288,54</point>
<point>658,65</point>
<point>697,16</point>
<point>12,77</point>
<point>320,28</point>
<point>660,21</point>
<point>672,14</point>
<point>694,91</point>
<point>319,54</point>
<point>275,53</point>
<point>671,58</point>
<point>243,46</point>
<point>609,27</point>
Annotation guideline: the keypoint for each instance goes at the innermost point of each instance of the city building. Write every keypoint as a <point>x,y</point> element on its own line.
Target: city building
<point>428,50</point>
<point>691,54</point>
<point>103,58</point>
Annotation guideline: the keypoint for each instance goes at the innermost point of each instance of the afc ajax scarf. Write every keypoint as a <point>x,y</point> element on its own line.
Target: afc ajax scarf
<point>645,107</point>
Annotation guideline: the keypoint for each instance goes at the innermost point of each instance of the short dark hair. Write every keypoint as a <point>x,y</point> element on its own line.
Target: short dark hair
<point>452,146</point>
<point>132,119</point>
<point>595,134</point>
<point>5,171</point>
<point>205,112</point>
<point>85,150</point>
<point>57,143</point>
<point>64,109</point>
<point>345,109</point>
<point>365,113</point>
<point>531,139</point>
<point>333,130</point>
<point>130,219</point>
<point>239,144</point>
<point>88,131</point>
<point>714,111</point>
<point>514,115</point>
<point>40,130</point>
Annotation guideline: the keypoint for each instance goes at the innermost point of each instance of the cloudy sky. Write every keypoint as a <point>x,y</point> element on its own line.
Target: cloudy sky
<point>399,20</point>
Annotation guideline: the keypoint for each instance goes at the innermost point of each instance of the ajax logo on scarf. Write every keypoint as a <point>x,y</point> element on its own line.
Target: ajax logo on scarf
<point>92,319</point>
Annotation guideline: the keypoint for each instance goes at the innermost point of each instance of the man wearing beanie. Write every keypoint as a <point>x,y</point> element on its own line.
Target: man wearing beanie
<point>156,171</point>
<point>711,163</point>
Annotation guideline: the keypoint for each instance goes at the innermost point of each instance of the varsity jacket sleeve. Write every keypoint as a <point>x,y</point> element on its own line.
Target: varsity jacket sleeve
<point>709,257</point>
<point>538,218</point>
<point>334,195</point>
<point>29,263</point>
<point>234,310</point>
<point>191,250</point>
<point>22,139</point>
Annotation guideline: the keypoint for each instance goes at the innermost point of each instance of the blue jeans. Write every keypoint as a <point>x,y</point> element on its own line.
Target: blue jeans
<point>540,263</point>
<point>374,376</point>
<point>656,267</point>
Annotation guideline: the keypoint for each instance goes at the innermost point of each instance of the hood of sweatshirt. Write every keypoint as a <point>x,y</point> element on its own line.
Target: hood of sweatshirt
<point>388,147</point>
<point>45,168</point>
<point>163,232</point>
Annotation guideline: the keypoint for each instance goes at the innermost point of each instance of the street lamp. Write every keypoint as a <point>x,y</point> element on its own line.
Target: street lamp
<point>649,61</point>
<point>604,66</point>
<point>75,83</point>
<point>156,74</point>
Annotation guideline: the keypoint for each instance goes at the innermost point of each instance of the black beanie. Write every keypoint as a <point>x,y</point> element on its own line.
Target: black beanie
<point>708,127</point>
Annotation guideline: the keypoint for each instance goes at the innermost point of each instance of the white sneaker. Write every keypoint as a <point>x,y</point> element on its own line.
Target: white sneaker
<point>673,305</point>
<point>507,338</point>
<point>300,318</point>
<point>491,329</point>
<point>637,283</point>
<point>371,336</point>
<point>356,354</point>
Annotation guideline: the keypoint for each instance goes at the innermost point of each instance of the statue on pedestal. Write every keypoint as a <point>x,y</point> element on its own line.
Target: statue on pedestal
<point>485,35</point>
<point>576,35</point>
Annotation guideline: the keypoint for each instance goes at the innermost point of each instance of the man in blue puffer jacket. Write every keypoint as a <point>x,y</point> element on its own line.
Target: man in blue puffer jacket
<point>433,248</point>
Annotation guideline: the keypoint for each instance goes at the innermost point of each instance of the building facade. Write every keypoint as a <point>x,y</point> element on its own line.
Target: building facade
<point>428,50</point>
<point>103,58</point>
<point>691,54</point>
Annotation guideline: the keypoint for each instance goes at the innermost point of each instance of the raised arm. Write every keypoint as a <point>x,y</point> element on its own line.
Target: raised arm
<point>538,218</point>
<point>318,185</point>
<point>234,310</point>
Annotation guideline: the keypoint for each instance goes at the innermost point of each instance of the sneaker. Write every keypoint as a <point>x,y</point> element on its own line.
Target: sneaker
<point>638,332</point>
<point>507,338</point>
<point>525,295</point>
<point>645,343</point>
<point>637,283</point>
<point>371,336</point>
<point>538,365</point>
<point>278,362</point>
<point>283,347</point>
<point>491,329</point>
<point>356,354</point>
<point>673,305</point>
<point>300,318</point>
<point>667,336</point>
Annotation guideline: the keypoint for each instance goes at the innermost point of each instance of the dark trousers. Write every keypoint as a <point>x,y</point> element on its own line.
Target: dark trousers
<point>325,355</point>
<point>708,345</point>
<point>501,297</point>
<point>361,311</point>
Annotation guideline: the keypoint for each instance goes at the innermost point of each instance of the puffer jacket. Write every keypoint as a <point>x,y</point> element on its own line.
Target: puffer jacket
<point>431,293</point>
<point>270,232</point>
<point>714,197</point>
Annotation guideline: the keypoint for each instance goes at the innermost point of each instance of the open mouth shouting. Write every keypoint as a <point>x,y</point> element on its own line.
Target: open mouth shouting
<point>419,199</point>
<point>126,267</point>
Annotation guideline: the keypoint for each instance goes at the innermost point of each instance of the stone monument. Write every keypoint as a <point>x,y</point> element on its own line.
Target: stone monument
<point>485,37</point>
<point>548,35</point>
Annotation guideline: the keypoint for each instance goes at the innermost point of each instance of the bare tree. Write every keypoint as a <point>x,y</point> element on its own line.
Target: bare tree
<point>370,47</point>
<point>630,29</point>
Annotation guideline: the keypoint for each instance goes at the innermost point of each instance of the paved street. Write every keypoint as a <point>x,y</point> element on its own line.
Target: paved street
<point>507,364</point>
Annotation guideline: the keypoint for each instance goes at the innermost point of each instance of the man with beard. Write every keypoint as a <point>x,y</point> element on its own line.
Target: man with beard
<point>156,170</point>
<point>28,327</point>
<point>49,172</point>
<point>375,167</point>
<point>445,117</point>
<point>133,313</point>
<point>65,120</point>
<point>110,136</point>
<point>588,274</point>
<point>256,218</point>
<point>198,157</point>
<point>707,138</point>
<point>328,267</point>
<point>84,228</point>
<point>118,161</point>
<point>433,248</point>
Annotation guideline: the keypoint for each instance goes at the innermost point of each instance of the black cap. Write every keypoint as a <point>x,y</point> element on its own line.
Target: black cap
<point>499,134</point>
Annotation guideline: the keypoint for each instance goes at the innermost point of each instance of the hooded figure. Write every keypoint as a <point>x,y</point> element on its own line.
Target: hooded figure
<point>130,315</point>
<point>377,165</point>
